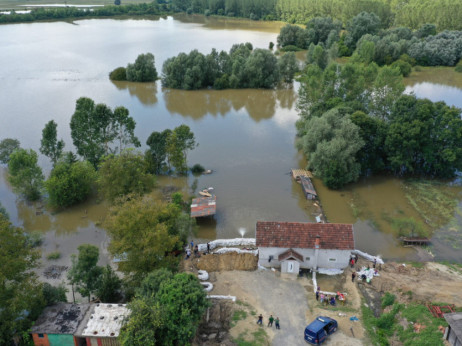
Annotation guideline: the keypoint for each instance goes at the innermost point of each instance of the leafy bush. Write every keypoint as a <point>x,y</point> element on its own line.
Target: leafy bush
<point>197,169</point>
<point>459,67</point>
<point>404,67</point>
<point>388,299</point>
<point>143,70</point>
<point>120,73</point>
<point>34,239</point>
<point>53,294</point>
<point>54,255</point>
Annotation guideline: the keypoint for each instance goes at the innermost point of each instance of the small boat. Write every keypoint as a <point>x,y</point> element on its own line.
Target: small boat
<point>205,193</point>
<point>210,188</point>
<point>208,171</point>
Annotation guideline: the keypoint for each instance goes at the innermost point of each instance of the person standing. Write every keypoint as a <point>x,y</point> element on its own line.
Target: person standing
<point>260,320</point>
<point>317,295</point>
<point>353,275</point>
<point>277,323</point>
<point>322,298</point>
<point>208,247</point>
<point>192,244</point>
<point>270,321</point>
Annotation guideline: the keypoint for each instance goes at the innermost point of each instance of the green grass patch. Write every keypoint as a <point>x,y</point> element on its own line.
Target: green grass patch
<point>239,315</point>
<point>379,330</point>
<point>434,201</point>
<point>416,264</point>
<point>388,299</point>
<point>430,335</point>
<point>54,255</point>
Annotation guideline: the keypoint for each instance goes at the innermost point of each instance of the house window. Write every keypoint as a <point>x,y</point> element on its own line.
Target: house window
<point>332,260</point>
<point>307,258</point>
<point>40,335</point>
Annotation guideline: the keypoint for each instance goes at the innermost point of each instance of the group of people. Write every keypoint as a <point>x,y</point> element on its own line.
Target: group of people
<point>332,300</point>
<point>271,319</point>
<point>195,248</point>
<point>363,276</point>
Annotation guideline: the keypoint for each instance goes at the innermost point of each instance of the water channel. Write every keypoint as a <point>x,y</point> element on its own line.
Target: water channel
<point>246,136</point>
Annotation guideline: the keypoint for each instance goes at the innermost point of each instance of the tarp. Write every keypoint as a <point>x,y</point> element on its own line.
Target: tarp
<point>233,298</point>
<point>237,250</point>
<point>368,257</point>
<point>227,242</point>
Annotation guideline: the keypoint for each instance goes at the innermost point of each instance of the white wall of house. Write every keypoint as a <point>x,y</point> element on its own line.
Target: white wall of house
<point>331,259</point>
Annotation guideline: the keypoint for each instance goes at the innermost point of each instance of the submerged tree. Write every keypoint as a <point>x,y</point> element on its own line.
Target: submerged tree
<point>84,273</point>
<point>49,145</point>
<point>70,183</point>
<point>26,176</point>
<point>95,127</point>
<point>7,146</point>
<point>143,70</point>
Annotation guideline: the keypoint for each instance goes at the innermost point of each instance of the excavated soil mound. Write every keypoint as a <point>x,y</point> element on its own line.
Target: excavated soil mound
<point>227,261</point>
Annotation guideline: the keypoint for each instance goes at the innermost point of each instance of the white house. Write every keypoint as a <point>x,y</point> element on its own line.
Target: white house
<point>295,245</point>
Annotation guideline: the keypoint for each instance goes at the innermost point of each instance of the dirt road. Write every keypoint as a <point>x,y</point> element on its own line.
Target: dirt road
<point>269,293</point>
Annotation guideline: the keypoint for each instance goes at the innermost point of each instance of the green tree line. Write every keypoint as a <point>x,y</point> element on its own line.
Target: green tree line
<point>242,67</point>
<point>445,15</point>
<point>367,40</point>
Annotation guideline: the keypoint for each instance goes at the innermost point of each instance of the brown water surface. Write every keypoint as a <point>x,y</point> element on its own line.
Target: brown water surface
<point>245,136</point>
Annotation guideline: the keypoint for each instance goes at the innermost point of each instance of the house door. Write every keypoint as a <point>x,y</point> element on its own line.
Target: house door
<point>290,266</point>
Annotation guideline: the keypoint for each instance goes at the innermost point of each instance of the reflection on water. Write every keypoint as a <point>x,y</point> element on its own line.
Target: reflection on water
<point>246,136</point>
<point>258,104</point>
<point>146,93</point>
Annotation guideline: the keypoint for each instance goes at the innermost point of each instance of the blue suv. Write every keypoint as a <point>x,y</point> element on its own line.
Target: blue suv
<point>318,330</point>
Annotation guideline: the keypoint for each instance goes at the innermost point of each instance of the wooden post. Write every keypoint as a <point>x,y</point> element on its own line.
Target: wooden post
<point>351,328</point>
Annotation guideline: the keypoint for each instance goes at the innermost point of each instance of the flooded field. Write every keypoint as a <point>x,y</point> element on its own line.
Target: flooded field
<point>245,136</point>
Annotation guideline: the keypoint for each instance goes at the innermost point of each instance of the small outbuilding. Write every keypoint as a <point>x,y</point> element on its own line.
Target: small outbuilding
<point>453,332</point>
<point>102,325</point>
<point>57,325</point>
<point>294,245</point>
<point>204,206</point>
<point>308,188</point>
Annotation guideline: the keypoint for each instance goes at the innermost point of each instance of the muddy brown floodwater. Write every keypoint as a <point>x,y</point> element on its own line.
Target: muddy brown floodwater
<point>245,136</point>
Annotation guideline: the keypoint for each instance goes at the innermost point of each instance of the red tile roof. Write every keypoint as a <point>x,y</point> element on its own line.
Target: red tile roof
<point>303,235</point>
<point>204,206</point>
<point>288,254</point>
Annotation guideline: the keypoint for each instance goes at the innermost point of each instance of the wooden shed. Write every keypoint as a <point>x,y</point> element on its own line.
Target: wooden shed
<point>308,188</point>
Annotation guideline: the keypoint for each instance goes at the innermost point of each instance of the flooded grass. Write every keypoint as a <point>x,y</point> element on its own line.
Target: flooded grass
<point>434,201</point>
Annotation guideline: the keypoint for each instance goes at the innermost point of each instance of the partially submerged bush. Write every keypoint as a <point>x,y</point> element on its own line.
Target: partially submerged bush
<point>119,74</point>
<point>197,169</point>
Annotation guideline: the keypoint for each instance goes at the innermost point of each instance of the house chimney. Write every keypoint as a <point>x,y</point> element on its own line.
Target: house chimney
<point>317,245</point>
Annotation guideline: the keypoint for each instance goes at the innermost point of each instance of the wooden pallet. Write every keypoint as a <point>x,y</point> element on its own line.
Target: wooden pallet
<point>438,310</point>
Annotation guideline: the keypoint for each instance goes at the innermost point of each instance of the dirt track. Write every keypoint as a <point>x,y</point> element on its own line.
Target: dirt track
<point>288,298</point>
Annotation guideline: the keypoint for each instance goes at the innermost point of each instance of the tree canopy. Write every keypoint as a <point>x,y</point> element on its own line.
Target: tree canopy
<point>127,173</point>
<point>49,145</point>
<point>242,67</point>
<point>84,273</point>
<point>21,299</point>
<point>7,146</point>
<point>167,313</point>
<point>94,127</point>
<point>70,183</point>
<point>144,232</point>
<point>355,119</point>
<point>25,175</point>
<point>143,70</point>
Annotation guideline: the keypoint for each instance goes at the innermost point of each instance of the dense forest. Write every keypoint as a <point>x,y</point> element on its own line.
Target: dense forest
<point>367,41</point>
<point>355,120</point>
<point>446,15</point>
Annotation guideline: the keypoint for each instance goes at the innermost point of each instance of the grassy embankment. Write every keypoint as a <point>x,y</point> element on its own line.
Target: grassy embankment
<point>412,324</point>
